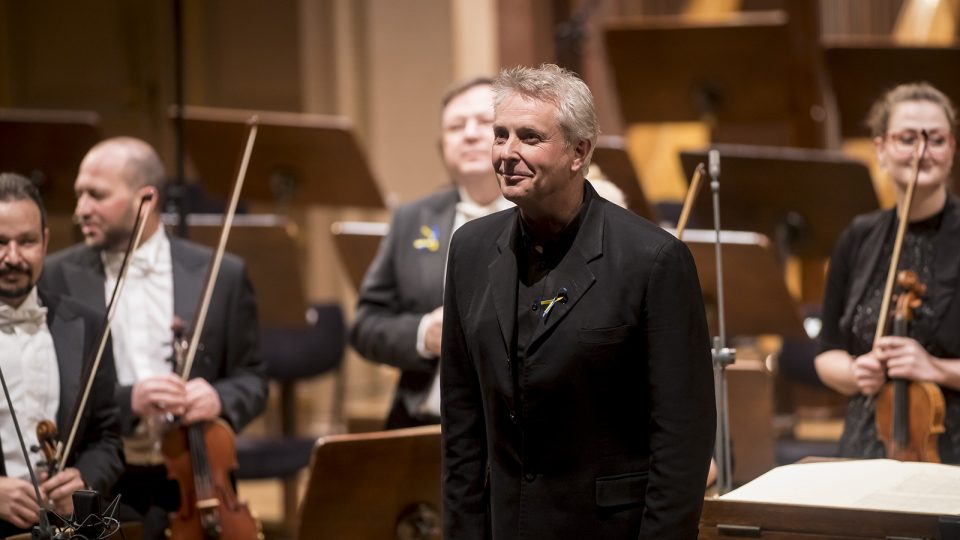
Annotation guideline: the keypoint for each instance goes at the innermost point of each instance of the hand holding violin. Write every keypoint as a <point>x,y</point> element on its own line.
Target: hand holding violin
<point>907,359</point>
<point>18,503</point>
<point>60,487</point>
<point>202,402</point>
<point>868,373</point>
<point>159,394</point>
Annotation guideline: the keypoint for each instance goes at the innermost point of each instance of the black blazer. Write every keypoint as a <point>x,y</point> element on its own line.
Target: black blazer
<point>229,358</point>
<point>97,453</point>
<point>610,429</point>
<point>402,285</point>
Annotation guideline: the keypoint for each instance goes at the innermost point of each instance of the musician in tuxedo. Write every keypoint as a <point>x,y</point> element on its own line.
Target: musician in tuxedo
<point>164,281</point>
<point>47,345</point>
<point>399,314</point>
<point>577,389</point>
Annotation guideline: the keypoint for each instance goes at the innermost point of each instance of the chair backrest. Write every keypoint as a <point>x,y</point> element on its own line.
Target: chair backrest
<point>297,353</point>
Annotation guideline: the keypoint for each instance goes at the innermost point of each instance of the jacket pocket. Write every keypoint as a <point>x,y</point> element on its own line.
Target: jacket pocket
<point>613,334</point>
<point>621,489</point>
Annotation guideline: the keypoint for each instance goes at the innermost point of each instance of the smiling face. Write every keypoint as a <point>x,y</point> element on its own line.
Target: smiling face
<point>467,134</point>
<point>898,146</point>
<point>23,243</point>
<point>535,164</point>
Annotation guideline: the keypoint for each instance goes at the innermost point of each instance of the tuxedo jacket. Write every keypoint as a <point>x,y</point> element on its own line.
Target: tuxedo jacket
<point>228,357</point>
<point>97,453</point>
<point>404,283</point>
<point>605,429</point>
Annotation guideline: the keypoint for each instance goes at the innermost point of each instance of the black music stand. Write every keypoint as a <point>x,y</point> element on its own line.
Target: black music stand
<point>862,70</point>
<point>357,243</point>
<point>801,198</point>
<point>757,300</point>
<point>742,73</point>
<point>48,146</point>
<point>268,244</point>
<point>371,486</point>
<point>297,159</point>
<point>612,158</point>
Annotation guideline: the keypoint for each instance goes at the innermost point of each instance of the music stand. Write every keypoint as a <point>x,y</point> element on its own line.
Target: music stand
<point>268,244</point>
<point>298,158</point>
<point>48,146</point>
<point>861,70</point>
<point>357,243</point>
<point>612,158</point>
<point>751,273</point>
<point>370,485</point>
<point>801,198</point>
<point>667,69</point>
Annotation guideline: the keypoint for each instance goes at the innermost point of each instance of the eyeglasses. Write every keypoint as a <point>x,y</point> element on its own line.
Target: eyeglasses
<point>908,141</point>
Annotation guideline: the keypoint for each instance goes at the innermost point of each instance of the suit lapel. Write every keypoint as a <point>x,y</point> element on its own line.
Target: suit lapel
<point>946,261</point>
<point>502,277</point>
<point>440,216</point>
<point>189,272</point>
<point>573,273</point>
<point>67,330</point>
<point>85,279</point>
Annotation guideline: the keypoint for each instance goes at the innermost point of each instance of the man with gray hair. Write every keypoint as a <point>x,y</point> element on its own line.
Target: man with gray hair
<point>164,281</point>
<point>577,391</point>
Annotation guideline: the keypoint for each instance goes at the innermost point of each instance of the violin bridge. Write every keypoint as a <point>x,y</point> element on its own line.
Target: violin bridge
<point>208,503</point>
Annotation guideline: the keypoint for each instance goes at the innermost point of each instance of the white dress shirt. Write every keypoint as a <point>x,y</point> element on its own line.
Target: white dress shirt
<point>29,364</point>
<point>467,210</point>
<point>141,327</point>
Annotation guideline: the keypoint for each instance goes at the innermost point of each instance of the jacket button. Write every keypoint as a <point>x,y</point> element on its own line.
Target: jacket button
<point>530,477</point>
<point>513,418</point>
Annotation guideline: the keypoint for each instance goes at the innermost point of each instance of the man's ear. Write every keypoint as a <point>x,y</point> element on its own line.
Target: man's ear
<point>580,153</point>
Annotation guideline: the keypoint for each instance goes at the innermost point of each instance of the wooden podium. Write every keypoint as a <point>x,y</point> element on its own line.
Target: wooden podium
<point>374,486</point>
<point>47,146</point>
<point>728,519</point>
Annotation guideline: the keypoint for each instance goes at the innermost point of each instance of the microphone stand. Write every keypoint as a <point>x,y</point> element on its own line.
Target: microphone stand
<point>722,355</point>
<point>43,530</point>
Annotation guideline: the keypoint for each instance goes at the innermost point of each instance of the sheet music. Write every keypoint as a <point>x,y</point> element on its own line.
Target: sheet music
<point>873,484</point>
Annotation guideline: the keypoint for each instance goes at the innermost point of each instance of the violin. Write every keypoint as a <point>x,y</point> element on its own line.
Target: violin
<point>201,456</point>
<point>909,414</point>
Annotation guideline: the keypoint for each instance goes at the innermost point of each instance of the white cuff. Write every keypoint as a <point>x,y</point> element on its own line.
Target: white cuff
<point>422,337</point>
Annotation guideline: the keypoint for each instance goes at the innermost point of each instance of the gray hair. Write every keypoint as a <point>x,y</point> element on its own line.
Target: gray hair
<point>561,87</point>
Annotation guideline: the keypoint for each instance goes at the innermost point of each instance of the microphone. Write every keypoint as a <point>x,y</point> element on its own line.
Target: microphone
<point>713,161</point>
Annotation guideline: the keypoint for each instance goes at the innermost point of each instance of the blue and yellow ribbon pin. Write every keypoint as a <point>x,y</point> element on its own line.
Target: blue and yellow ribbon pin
<point>430,240</point>
<point>561,298</point>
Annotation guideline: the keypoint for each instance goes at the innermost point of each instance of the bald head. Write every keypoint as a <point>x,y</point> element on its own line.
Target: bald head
<point>114,176</point>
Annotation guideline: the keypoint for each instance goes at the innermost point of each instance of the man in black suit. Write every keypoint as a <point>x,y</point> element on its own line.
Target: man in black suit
<point>164,282</point>
<point>47,343</point>
<point>576,373</point>
<point>399,314</point>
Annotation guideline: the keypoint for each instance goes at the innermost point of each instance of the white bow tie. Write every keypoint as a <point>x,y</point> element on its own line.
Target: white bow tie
<point>31,316</point>
<point>140,264</point>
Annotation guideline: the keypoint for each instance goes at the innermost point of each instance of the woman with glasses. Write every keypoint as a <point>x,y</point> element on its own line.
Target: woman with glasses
<point>850,362</point>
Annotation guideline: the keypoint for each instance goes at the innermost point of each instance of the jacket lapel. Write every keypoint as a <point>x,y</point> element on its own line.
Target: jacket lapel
<point>573,273</point>
<point>442,217</point>
<point>85,279</point>
<point>946,261</point>
<point>189,273</point>
<point>67,330</point>
<point>502,277</point>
